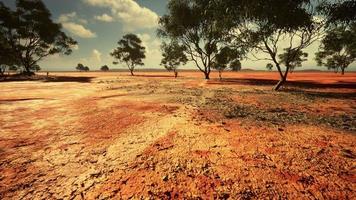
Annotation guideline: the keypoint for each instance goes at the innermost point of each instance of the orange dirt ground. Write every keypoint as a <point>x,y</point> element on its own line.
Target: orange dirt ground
<point>101,135</point>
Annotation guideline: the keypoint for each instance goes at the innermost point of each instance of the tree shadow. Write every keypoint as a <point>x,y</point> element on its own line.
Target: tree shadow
<point>79,79</point>
<point>298,87</point>
<point>269,82</point>
<point>23,99</point>
<point>153,76</point>
<point>317,94</point>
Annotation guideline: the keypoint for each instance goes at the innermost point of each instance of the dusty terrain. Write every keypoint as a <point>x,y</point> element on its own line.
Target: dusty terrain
<point>111,136</point>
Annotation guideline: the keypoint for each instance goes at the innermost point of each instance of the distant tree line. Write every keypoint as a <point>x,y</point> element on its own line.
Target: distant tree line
<point>211,34</point>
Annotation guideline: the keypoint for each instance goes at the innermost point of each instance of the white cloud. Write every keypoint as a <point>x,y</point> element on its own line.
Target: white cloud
<point>67,17</point>
<point>71,23</point>
<point>105,18</point>
<point>129,12</point>
<point>153,52</point>
<point>78,30</point>
<point>96,55</point>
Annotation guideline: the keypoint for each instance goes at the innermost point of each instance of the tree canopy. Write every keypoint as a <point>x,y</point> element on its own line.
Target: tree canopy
<point>104,68</point>
<point>129,51</point>
<point>338,48</point>
<point>339,11</point>
<point>81,67</point>
<point>266,27</point>
<point>198,25</point>
<point>226,57</point>
<point>29,34</point>
<point>173,56</point>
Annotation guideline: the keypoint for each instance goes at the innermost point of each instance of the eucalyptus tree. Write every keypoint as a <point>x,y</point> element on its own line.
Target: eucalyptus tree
<point>235,65</point>
<point>293,59</point>
<point>30,34</point>
<point>129,51</point>
<point>338,49</point>
<point>269,66</point>
<point>227,57</point>
<point>104,68</point>
<point>173,56</point>
<point>199,26</point>
<point>80,67</point>
<point>339,11</point>
<point>278,29</point>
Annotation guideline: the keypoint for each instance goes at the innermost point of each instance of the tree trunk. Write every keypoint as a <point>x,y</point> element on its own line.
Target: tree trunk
<point>279,84</point>
<point>175,74</point>
<point>207,75</point>
<point>132,74</point>
<point>28,70</point>
<point>342,71</point>
<point>220,75</point>
<point>282,80</point>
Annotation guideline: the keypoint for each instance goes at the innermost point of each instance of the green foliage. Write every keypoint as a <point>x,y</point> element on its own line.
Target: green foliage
<point>338,48</point>
<point>199,26</point>
<point>81,67</point>
<point>293,58</point>
<point>269,66</point>
<point>35,68</point>
<point>226,57</point>
<point>13,68</point>
<point>173,56</point>
<point>235,65</point>
<point>339,11</point>
<point>129,51</point>
<point>104,68</point>
<point>266,26</point>
<point>29,34</point>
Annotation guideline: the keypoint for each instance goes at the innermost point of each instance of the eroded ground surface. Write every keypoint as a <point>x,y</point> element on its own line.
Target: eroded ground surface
<point>111,136</point>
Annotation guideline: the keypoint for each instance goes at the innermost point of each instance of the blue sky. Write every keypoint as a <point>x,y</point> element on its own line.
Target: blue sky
<point>97,25</point>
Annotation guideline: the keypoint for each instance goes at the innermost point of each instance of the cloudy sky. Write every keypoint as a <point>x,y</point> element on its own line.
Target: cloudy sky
<point>97,25</point>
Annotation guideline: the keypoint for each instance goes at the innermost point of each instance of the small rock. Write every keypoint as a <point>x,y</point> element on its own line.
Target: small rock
<point>165,178</point>
<point>280,129</point>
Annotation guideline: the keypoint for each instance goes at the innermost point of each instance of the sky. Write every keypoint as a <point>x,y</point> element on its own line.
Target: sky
<point>97,25</point>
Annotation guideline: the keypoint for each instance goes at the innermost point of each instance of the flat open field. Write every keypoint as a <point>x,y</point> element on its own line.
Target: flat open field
<point>101,135</point>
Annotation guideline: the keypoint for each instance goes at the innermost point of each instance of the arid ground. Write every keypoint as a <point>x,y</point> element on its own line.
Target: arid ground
<point>101,135</point>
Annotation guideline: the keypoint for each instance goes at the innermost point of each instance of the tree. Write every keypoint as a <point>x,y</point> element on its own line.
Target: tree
<point>268,26</point>
<point>173,56</point>
<point>130,51</point>
<point>225,57</point>
<point>104,68</point>
<point>36,68</point>
<point>269,66</point>
<point>235,65</point>
<point>339,11</point>
<point>3,69</point>
<point>30,34</point>
<point>86,68</point>
<point>80,67</point>
<point>13,68</point>
<point>198,26</point>
<point>338,48</point>
<point>293,59</point>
